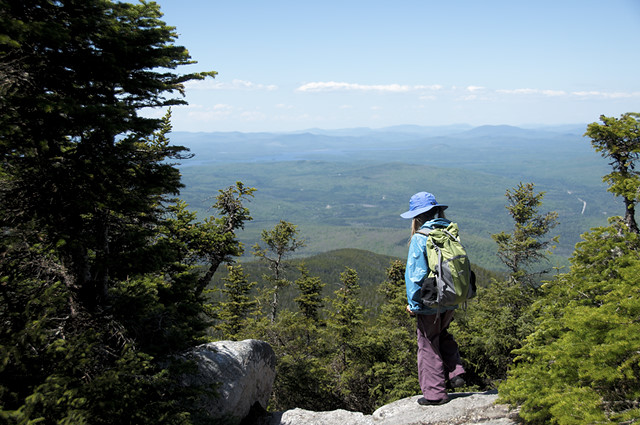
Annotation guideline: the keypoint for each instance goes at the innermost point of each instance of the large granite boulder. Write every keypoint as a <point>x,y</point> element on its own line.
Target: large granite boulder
<point>307,417</point>
<point>243,371</point>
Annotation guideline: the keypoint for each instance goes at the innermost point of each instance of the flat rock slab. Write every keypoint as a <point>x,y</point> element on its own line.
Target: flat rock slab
<point>463,409</point>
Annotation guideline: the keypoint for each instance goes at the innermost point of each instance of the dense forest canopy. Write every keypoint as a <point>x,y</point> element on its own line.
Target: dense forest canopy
<point>96,283</point>
<point>105,275</point>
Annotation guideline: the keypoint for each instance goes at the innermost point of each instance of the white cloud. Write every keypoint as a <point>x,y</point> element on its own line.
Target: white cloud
<point>338,86</point>
<point>554,92</point>
<point>210,84</point>
<point>582,94</point>
<point>474,88</point>
<point>533,92</point>
<point>614,95</point>
<point>324,86</point>
<point>431,87</point>
<point>518,91</point>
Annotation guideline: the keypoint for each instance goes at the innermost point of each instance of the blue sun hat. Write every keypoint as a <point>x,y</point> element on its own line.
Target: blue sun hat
<point>421,202</point>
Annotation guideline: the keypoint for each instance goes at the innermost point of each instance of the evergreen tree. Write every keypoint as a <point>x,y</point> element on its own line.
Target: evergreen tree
<point>346,329</point>
<point>582,362</point>
<point>234,311</point>
<point>304,378</point>
<point>499,319</point>
<point>619,140</point>
<point>302,346</point>
<point>100,281</point>
<point>310,299</point>
<point>77,161</point>
<point>524,246</point>
<point>280,242</point>
<point>391,345</point>
<point>347,314</point>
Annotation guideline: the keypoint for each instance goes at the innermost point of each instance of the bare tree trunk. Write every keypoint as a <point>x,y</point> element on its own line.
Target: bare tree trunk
<point>630,215</point>
<point>274,304</point>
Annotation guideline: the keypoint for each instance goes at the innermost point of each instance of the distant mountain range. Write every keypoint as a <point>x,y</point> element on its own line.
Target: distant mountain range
<point>368,144</point>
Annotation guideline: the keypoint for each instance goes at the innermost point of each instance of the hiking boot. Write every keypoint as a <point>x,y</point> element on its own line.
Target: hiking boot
<point>424,402</point>
<point>457,382</point>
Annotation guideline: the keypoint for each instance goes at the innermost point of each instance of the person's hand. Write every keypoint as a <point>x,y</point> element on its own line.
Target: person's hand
<point>411,313</point>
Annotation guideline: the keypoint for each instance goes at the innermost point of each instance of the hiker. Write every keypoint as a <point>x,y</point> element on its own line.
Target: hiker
<point>438,357</point>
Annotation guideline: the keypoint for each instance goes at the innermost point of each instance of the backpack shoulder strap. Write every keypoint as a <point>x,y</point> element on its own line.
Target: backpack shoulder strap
<point>434,268</point>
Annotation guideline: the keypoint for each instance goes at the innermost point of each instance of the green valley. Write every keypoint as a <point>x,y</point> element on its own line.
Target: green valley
<point>347,191</point>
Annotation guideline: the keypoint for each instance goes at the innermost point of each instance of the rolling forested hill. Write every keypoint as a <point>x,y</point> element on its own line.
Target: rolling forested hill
<point>346,189</point>
<point>328,266</point>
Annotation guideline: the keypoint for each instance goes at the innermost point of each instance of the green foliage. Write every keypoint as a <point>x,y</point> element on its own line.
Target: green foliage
<point>62,369</point>
<point>581,364</point>
<point>74,121</point>
<point>309,301</point>
<point>100,367</point>
<point>346,316</point>
<point>392,343</point>
<point>336,359</point>
<point>494,324</point>
<point>234,311</point>
<point>101,281</point>
<point>281,241</point>
<point>499,319</point>
<point>352,347</point>
<point>357,352</point>
<point>619,140</point>
<point>304,378</point>
<point>212,241</point>
<point>524,246</point>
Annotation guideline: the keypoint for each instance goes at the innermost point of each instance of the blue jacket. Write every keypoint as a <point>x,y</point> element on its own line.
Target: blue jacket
<point>418,269</point>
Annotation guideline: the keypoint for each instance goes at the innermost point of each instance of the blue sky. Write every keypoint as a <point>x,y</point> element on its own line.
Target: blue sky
<point>294,65</point>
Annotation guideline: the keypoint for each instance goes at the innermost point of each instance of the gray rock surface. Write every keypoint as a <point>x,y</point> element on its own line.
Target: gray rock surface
<point>244,370</point>
<point>463,409</point>
<point>307,417</point>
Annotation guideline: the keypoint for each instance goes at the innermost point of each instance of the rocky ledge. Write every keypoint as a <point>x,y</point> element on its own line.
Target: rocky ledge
<point>463,409</point>
<point>244,371</point>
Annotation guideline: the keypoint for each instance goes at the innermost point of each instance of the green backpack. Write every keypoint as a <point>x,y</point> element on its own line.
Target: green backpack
<point>450,281</point>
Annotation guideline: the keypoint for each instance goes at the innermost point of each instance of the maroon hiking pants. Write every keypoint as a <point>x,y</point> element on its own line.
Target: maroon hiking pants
<point>438,356</point>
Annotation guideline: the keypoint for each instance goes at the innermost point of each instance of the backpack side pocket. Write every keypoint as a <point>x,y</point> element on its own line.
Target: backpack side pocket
<point>429,292</point>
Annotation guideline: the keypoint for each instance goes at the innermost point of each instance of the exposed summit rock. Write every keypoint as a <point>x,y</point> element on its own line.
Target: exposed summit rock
<point>463,409</point>
<point>244,372</point>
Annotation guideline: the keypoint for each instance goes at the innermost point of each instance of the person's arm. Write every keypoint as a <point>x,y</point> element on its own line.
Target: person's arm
<point>416,271</point>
